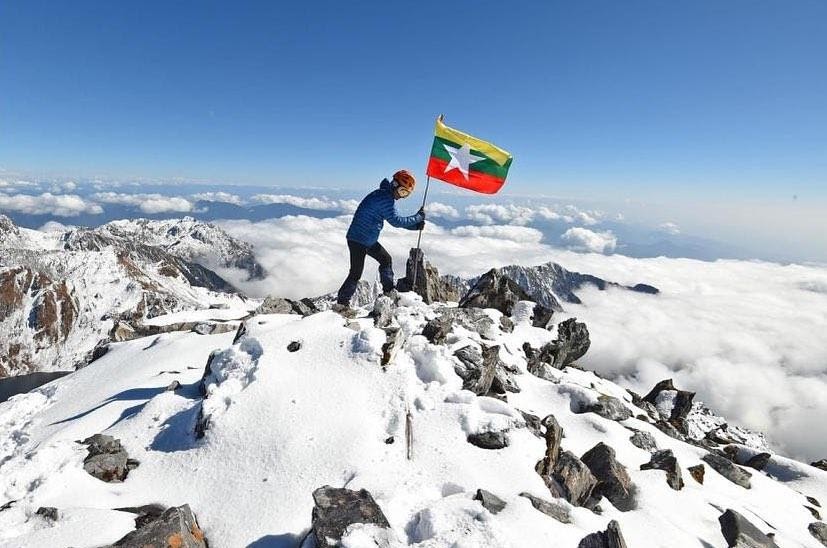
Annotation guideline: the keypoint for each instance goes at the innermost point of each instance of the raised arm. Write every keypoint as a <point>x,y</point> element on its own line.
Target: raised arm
<point>395,219</point>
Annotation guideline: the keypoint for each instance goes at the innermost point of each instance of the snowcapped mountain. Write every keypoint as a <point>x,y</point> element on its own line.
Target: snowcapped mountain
<point>411,425</point>
<point>62,293</point>
<point>189,239</point>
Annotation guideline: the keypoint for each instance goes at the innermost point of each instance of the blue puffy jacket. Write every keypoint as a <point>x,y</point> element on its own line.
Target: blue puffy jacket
<point>376,208</point>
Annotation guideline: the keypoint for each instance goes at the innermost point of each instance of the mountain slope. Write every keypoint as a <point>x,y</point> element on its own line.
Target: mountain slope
<point>296,403</point>
<point>62,293</point>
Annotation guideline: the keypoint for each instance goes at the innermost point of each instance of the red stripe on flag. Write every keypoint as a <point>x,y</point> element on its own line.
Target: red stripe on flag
<point>477,181</point>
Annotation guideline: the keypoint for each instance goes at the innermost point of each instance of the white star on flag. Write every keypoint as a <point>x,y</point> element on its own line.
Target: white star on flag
<point>461,158</point>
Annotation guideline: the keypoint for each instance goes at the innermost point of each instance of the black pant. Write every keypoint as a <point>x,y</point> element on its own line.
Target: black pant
<point>357,265</point>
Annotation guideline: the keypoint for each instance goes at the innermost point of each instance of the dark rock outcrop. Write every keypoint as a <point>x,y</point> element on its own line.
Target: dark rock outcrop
<point>820,464</point>
<point>490,501</point>
<point>107,460</point>
<point>549,508</point>
<point>174,527</point>
<point>278,305</point>
<point>144,514</point>
<point>49,513</point>
<point>613,481</point>
<point>728,469</point>
<point>740,533</point>
<point>697,472</point>
<point>665,460</point>
<point>819,530</point>
<point>423,278</point>
<point>759,461</point>
<point>494,290</point>
<point>610,538</point>
<point>337,508</point>
<point>570,479</point>
<point>495,439</point>
<point>294,346</point>
<point>571,344</point>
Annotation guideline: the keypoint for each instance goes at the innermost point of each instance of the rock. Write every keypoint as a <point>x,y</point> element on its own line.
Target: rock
<point>121,331</point>
<point>669,430</point>
<point>643,440</point>
<point>613,481</point>
<point>173,386</point>
<point>572,343</point>
<point>541,316</point>
<point>697,472</point>
<point>820,464</point>
<point>740,533</point>
<point>813,511</point>
<point>294,346</point>
<point>211,328</point>
<point>428,283</point>
<point>610,538</point>
<point>494,290</point>
<point>731,452</point>
<point>472,319</point>
<point>278,305</point>
<point>665,460</point>
<point>490,501</point>
<point>672,404</point>
<point>383,309</point>
<point>48,512</point>
<point>489,440</point>
<point>144,514</point>
<point>819,530</point>
<point>813,501</point>
<point>506,324</point>
<point>107,459</point>
<point>337,508</point>
<point>608,407</point>
<point>477,368</point>
<point>533,423</point>
<point>437,329</point>
<point>551,509</point>
<point>539,360</point>
<point>759,461</point>
<point>728,469</point>
<point>553,437</point>
<point>570,479</point>
<point>393,341</point>
<point>174,527</point>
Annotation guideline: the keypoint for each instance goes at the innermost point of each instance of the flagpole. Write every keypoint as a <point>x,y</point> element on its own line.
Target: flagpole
<point>419,237</point>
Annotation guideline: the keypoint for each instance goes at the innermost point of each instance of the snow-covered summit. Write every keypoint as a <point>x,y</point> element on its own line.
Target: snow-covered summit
<point>463,426</point>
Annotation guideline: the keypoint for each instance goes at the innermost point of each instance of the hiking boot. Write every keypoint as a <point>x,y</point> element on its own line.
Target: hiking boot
<point>343,310</point>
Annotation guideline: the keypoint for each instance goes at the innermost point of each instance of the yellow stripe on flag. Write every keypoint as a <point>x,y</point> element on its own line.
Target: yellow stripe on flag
<point>450,134</point>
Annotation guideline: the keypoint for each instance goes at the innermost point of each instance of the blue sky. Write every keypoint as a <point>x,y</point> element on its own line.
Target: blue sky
<point>619,98</point>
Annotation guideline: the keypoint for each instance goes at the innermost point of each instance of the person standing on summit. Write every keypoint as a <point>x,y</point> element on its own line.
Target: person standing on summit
<point>363,235</point>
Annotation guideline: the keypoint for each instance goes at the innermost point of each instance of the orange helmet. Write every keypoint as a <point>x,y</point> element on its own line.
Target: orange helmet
<point>404,180</point>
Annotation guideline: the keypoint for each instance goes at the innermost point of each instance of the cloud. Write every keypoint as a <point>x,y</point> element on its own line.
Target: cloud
<point>59,205</point>
<point>15,185</point>
<point>147,203</point>
<point>747,336</point>
<point>670,228</point>
<point>490,214</point>
<point>441,211</point>
<point>519,234</point>
<point>583,239</point>
<point>68,186</point>
<point>225,197</point>
<point>322,203</point>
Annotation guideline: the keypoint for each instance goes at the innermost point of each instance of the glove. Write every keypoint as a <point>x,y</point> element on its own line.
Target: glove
<point>421,212</point>
<point>420,225</point>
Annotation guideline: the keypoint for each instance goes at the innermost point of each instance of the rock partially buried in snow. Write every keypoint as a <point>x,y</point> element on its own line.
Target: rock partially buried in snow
<point>673,405</point>
<point>613,481</point>
<point>665,460</point>
<point>551,509</point>
<point>728,469</point>
<point>819,530</point>
<point>176,527</point>
<point>759,461</point>
<point>697,473</point>
<point>608,407</point>
<point>336,509</point>
<point>490,501</point>
<point>740,533</point>
<point>495,439</point>
<point>820,464</point>
<point>643,440</point>
<point>610,538</point>
<point>107,460</point>
<point>278,305</point>
<point>48,512</point>
<point>571,479</point>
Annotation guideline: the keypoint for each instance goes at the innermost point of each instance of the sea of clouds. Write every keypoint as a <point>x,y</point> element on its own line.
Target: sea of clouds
<point>748,336</point>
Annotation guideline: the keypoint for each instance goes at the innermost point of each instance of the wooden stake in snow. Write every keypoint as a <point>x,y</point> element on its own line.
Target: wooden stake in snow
<point>409,432</point>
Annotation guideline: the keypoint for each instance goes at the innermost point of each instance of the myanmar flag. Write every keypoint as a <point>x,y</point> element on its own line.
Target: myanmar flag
<point>466,161</point>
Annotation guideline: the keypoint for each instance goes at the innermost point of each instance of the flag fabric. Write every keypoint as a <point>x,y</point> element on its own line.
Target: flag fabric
<point>462,160</point>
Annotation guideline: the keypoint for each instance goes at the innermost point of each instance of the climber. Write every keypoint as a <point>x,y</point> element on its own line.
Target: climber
<point>363,235</point>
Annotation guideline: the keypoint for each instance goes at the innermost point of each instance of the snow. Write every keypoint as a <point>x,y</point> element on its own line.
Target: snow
<point>282,424</point>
